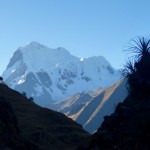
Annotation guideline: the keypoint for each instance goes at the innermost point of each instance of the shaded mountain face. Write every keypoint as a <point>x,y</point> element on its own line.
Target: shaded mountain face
<point>54,74</point>
<point>73,104</point>
<point>27,126</point>
<point>126,129</point>
<point>89,109</point>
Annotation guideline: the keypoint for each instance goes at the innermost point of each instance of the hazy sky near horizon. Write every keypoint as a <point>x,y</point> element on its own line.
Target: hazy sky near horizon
<point>84,27</point>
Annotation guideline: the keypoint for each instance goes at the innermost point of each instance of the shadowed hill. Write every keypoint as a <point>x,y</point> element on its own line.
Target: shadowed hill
<point>89,109</point>
<point>128,127</point>
<point>29,126</point>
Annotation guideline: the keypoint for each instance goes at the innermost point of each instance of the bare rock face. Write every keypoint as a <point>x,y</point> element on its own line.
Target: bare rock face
<point>27,126</point>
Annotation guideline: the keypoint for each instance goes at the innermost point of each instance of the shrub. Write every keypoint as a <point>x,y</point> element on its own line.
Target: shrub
<point>24,94</point>
<point>1,79</point>
<point>31,98</point>
<point>137,68</point>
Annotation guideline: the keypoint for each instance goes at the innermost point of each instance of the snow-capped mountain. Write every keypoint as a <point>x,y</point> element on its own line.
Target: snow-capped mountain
<point>53,74</point>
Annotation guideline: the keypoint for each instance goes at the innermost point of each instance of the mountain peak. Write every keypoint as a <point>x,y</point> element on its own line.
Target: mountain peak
<point>96,59</point>
<point>63,74</point>
<point>30,55</point>
<point>34,44</point>
<point>62,50</point>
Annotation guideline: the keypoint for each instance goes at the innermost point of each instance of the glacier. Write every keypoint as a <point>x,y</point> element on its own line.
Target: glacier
<point>50,75</point>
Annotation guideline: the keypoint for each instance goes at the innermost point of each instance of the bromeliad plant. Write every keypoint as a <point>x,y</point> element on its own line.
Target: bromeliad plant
<point>137,69</point>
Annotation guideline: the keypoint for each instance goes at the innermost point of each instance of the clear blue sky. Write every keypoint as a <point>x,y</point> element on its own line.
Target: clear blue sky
<point>84,27</point>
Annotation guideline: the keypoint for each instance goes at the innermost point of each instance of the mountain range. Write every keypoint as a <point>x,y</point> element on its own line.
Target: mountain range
<point>50,75</point>
<point>118,115</point>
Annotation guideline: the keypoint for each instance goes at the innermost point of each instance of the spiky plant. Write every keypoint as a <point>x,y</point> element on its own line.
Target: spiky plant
<point>138,71</point>
<point>128,69</point>
<point>140,47</point>
<point>128,72</point>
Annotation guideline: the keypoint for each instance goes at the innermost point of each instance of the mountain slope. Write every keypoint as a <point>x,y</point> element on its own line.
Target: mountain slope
<point>73,104</point>
<point>89,109</point>
<point>101,105</point>
<point>54,74</point>
<point>126,129</point>
<point>33,127</point>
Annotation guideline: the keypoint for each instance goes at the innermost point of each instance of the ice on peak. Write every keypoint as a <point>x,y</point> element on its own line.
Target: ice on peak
<point>35,44</point>
<point>62,50</point>
<point>35,56</point>
<point>96,59</point>
<point>83,58</point>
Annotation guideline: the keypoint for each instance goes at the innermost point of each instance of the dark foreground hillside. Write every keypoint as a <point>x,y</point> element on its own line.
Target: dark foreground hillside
<point>26,126</point>
<point>128,128</point>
